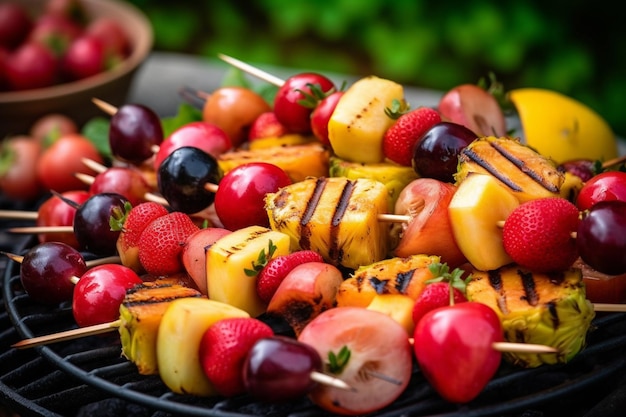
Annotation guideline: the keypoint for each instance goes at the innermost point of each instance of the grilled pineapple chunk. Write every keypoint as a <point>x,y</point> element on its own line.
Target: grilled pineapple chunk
<point>405,276</point>
<point>548,309</point>
<point>336,217</point>
<point>525,172</point>
<point>140,316</point>
<point>178,343</point>
<point>298,161</point>
<point>230,256</point>
<point>394,176</point>
<point>359,122</point>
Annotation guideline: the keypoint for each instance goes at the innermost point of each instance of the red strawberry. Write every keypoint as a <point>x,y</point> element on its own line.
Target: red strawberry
<point>437,293</point>
<point>162,241</point>
<point>277,268</point>
<point>131,227</point>
<point>223,350</point>
<point>538,234</point>
<point>400,138</point>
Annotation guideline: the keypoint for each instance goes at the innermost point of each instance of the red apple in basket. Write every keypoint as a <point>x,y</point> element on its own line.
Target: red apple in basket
<point>429,231</point>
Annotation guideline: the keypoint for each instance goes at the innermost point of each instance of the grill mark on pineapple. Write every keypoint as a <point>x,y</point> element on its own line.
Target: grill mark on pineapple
<point>307,213</point>
<point>477,159</point>
<point>334,251</point>
<point>495,279</point>
<point>530,290</point>
<point>240,245</point>
<point>523,167</point>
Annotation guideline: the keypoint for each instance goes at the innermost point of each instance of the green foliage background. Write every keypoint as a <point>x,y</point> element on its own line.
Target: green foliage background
<point>575,47</point>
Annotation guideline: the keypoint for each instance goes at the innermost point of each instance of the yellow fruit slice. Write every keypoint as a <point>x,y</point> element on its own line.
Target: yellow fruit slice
<point>562,128</point>
<point>478,204</point>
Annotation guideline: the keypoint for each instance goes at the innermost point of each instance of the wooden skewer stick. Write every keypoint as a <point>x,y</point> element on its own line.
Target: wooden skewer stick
<point>113,325</point>
<point>519,347</point>
<point>18,214</point>
<point>104,106</point>
<point>41,229</point>
<point>94,262</point>
<point>523,347</point>
<point>96,166</point>
<point>88,179</point>
<point>265,76</point>
<point>614,161</point>
<point>67,335</point>
<point>331,381</point>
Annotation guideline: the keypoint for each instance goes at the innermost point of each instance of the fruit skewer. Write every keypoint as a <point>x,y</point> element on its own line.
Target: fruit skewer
<point>252,70</point>
<point>91,263</point>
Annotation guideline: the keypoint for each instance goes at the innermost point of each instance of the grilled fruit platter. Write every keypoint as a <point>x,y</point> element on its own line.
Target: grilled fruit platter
<point>330,249</point>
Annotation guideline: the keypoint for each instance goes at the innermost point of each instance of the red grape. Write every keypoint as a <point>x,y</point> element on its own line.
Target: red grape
<point>601,237</point>
<point>134,131</point>
<point>91,223</point>
<point>279,368</point>
<point>436,153</point>
<point>47,270</point>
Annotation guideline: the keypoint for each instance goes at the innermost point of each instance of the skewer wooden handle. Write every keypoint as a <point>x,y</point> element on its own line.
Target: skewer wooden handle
<point>252,70</point>
<point>68,335</point>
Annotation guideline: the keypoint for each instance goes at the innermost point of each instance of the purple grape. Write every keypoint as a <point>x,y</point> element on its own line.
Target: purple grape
<point>436,153</point>
<point>601,237</point>
<point>582,168</point>
<point>92,226</point>
<point>47,270</point>
<point>278,368</point>
<point>134,131</point>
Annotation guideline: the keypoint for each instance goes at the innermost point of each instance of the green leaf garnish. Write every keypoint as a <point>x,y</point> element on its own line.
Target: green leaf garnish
<point>97,131</point>
<point>337,362</point>
<point>441,273</point>
<point>261,260</point>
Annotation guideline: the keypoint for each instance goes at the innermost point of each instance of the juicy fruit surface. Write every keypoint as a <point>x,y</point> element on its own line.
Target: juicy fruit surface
<point>358,124</point>
<point>335,217</point>
<point>161,243</point>
<point>178,342</point>
<point>562,128</point>
<point>224,348</point>
<point>400,139</point>
<point>537,234</point>
<point>453,347</point>
<point>528,303</point>
<point>479,203</point>
<point>525,172</point>
<point>377,344</point>
<point>229,259</point>
<point>435,295</point>
<point>277,269</point>
<point>279,368</point>
<point>139,217</point>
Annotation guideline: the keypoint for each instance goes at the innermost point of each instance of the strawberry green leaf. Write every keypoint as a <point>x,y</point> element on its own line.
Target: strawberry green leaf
<point>397,109</point>
<point>441,273</point>
<point>118,218</point>
<point>261,260</point>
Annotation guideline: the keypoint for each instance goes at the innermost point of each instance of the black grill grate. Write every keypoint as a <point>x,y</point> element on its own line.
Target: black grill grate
<point>88,377</point>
